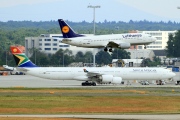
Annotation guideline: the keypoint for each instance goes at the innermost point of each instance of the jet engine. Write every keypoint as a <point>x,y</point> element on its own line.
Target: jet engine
<point>110,79</point>
<point>124,45</point>
<point>116,80</point>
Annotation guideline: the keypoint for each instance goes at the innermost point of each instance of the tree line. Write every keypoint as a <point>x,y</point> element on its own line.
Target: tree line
<point>65,57</point>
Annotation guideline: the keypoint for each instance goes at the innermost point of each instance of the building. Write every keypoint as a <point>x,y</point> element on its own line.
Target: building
<point>126,62</point>
<point>50,44</point>
<point>160,43</point>
<point>141,53</point>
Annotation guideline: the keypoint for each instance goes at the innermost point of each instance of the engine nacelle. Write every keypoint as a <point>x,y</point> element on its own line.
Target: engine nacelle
<point>124,45</point>
<point>110,79</point>
<point>106,78</point>
<point>116,80</point>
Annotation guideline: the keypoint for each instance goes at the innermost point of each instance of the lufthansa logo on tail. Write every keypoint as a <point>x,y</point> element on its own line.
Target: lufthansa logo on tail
<point>65,29</point>
<point>14,50</point>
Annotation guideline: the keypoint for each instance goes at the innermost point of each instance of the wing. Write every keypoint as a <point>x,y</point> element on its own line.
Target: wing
<point>113,44</point>
<point>118,44</point>
<point>22,69</point>
<point>91,74</point>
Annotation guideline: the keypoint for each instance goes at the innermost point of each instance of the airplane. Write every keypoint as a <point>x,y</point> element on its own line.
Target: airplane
<point>107,42</point>
<point>89,75</point>
<point>9,68</point>
<point>13,70</point>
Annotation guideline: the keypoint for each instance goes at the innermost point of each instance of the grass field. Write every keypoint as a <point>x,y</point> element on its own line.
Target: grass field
<point>90,101</point>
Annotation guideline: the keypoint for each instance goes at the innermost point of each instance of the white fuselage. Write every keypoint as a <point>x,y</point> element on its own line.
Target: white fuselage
<point>77,73</point>
<point>99,41</point>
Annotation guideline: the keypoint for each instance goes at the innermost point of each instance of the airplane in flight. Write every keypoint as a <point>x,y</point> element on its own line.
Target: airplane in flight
<point>90,75</point>
<point>107,42</point>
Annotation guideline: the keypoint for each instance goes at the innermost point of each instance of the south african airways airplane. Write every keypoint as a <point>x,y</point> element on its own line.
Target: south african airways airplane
<point>90,75</point>
<point>103,41</point>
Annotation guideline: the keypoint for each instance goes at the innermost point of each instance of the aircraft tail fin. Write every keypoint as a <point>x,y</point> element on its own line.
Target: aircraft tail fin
<point>66,30</point>
<point>20,58</point>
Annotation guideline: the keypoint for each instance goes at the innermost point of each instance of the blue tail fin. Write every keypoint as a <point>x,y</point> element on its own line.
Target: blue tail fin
<point>66,30</point>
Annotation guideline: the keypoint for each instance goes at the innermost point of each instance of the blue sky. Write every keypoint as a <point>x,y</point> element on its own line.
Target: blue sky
<point>76,10</point>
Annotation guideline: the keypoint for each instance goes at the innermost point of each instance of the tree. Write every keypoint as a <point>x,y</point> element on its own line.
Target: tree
<point>173,45</point>
<point>88,56</point>
<point>170,46</point>
<point>103,58</point>
<point>79,57</point>
<point>177,44</point>
<point>147,62</point>
<point>120,54</point>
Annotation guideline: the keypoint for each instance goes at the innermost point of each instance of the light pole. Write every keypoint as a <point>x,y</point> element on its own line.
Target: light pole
<point>63,58</point>
<point>94,7</point>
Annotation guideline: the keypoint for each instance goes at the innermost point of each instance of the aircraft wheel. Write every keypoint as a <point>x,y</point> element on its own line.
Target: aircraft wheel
<point>83,84</point>
<point>110,50</point>
<point>93,84</point>
<point>105,49</point>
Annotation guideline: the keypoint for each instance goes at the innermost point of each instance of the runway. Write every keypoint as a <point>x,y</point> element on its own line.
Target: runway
<point>35,82</point>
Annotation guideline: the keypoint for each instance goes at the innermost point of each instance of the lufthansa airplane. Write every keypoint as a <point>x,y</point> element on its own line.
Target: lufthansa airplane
<point>103,41</point>
<point>90,76</point>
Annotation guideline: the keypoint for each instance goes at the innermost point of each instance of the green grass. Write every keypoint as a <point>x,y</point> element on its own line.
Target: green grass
<point>89,100</point>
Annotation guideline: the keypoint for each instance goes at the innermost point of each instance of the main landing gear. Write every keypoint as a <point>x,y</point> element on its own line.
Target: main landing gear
<point>88,83</point>
<point>106,49</point>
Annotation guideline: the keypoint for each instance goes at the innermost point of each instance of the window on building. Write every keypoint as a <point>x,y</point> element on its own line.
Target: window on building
<point>139,47</point>
<point>47,48</point>
<point>47,39</point>
<point>54,44</point>
<point>40,44</point>
<point>154,46</point>
<point>47,44</point>
<point>63,45</point>
<point>54,48</point>
<point>159,38</point>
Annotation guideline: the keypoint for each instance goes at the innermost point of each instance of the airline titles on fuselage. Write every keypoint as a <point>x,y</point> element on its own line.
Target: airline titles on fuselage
<point>144,70</point>
<point>129,35</point>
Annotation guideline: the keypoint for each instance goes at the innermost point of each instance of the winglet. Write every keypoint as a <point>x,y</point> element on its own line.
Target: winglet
<point>66,30</point>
